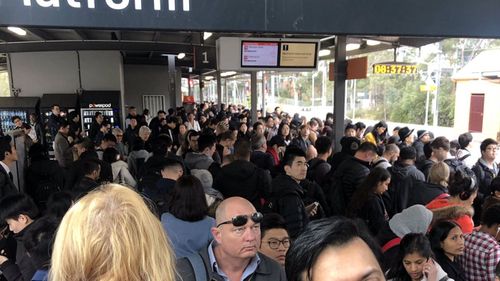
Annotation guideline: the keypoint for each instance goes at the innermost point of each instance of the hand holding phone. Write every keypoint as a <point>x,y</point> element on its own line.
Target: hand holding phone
<point>430,270</point>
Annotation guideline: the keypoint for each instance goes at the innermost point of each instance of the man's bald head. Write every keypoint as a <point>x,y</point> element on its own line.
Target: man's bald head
<point>232,204</point>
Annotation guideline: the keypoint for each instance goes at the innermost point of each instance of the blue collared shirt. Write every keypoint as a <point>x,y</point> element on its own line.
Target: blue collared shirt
<point>249,270</point>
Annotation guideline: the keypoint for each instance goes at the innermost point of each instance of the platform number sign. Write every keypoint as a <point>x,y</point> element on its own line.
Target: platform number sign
<point>205,58</point>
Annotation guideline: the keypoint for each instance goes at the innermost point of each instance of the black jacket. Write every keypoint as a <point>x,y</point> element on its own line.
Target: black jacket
<point>484,175</point>
<point>43,170</point>
<point>130,136</point>
<point>160,193</point>
<point>317,171</point>
<point>23,269</point>
<point>6,184</point>
<point>242,178</point>
<point>346,179</point>
<point>155,126</point>
<point>301,143</point>
<point>75,172</point>
<point>396,197</point>
<point>425,167</point>
<point>373,213</point>
<point>409,192</point>
<point>84,186</point>
<point>289,196</point>
<point>53,124</point>
<point>262,160</point>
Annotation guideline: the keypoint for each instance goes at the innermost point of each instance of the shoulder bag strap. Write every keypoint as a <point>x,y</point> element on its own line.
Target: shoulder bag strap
<point>198,267</point>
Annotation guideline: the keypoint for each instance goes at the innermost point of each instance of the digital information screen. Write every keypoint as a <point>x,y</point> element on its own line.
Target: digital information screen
<point>394,68</point>
<point>298,54</point>
<point>259,54</point>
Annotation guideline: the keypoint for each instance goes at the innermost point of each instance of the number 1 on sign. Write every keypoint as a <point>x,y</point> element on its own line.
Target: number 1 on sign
<point>205,57</point>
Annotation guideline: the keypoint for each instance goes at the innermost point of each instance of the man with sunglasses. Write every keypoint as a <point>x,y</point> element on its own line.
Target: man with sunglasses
<point>233,254</point>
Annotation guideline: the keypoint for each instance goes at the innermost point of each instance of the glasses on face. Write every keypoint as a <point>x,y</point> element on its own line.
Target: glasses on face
<point>275,243</point>
<point>241,220</point>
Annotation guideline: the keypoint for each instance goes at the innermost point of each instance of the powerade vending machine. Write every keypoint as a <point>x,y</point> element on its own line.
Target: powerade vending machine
<point>67,103</point>
<point>22,107</point>
<point>106,102</point>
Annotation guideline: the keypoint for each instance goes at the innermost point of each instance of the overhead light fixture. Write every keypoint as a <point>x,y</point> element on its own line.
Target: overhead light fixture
<point>324,52</point>
<point>372,42</point>
<point>227,73</point>
<point>181,55</point>
<point>352,46</point>
<point>209,77</point>
<point>17,30</point>
<point>206,35</point>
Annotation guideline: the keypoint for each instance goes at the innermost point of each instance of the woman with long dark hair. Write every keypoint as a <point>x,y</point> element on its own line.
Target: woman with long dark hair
<point>415,261</point>
<point>378,134</point>
<point>367,202</point>
<point>447,242</point>
<point>284,131</point>
<point>187,222</point>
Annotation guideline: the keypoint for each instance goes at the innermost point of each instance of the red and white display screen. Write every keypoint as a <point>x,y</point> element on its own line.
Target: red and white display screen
<point>259,54</point>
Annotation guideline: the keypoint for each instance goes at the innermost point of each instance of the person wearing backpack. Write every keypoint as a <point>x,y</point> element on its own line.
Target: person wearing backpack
<point>463,154</point>
<point>486,169</point>
<point>319,167</point>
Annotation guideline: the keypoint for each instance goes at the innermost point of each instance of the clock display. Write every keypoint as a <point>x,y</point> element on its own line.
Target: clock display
<point>394,68</point>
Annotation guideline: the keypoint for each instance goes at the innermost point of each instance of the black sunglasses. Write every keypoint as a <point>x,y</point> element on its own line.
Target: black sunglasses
<point>241,220</point>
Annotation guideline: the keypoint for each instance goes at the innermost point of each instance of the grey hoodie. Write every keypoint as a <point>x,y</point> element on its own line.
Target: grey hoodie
<point>415,219</point>
<point>195,160</point>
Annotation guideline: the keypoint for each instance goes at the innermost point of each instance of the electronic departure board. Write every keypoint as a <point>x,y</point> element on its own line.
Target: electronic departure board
<point>394,68</point>
<point>298,54</point>
<point>279,54</point>
<point>259,54</point>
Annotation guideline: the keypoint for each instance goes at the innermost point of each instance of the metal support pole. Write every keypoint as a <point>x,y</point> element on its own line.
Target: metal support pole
<point>253,97</point>
<point>339,88</point>
<point>171,80</point>
<point>263,94</point>
<point>219,91</point>
<point>202,98</point>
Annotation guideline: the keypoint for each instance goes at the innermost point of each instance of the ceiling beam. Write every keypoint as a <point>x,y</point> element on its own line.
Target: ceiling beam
<point>70,45</point>
<point>156,37</point>
<point>81,34</point>
<point>42,35</point>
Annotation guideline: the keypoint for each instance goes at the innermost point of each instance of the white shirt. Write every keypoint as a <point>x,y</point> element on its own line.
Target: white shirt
<point>5,167</point>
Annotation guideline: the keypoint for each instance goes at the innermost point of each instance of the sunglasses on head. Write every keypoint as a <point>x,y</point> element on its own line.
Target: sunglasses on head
<point>241,220</point>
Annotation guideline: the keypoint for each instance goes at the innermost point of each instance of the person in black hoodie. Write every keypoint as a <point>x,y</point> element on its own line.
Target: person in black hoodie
<point>289,195</point>
<point>349,176</point>
<point>447,242</point>
<point>19,212</point>
<point>242,178</point>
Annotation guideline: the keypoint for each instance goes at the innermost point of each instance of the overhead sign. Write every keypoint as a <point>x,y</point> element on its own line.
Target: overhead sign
<point>259,54</point>
<point>279,54</point>
<point>205,58</point>
<point>470,18</point>
<point>298,54</point>
<point>394,68</point>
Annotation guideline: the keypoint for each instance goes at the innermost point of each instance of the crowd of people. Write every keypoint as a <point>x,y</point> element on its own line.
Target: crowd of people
<point>206,193</point>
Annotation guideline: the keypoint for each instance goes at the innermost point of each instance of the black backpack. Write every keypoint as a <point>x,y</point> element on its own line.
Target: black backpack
<point>43,189</point>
